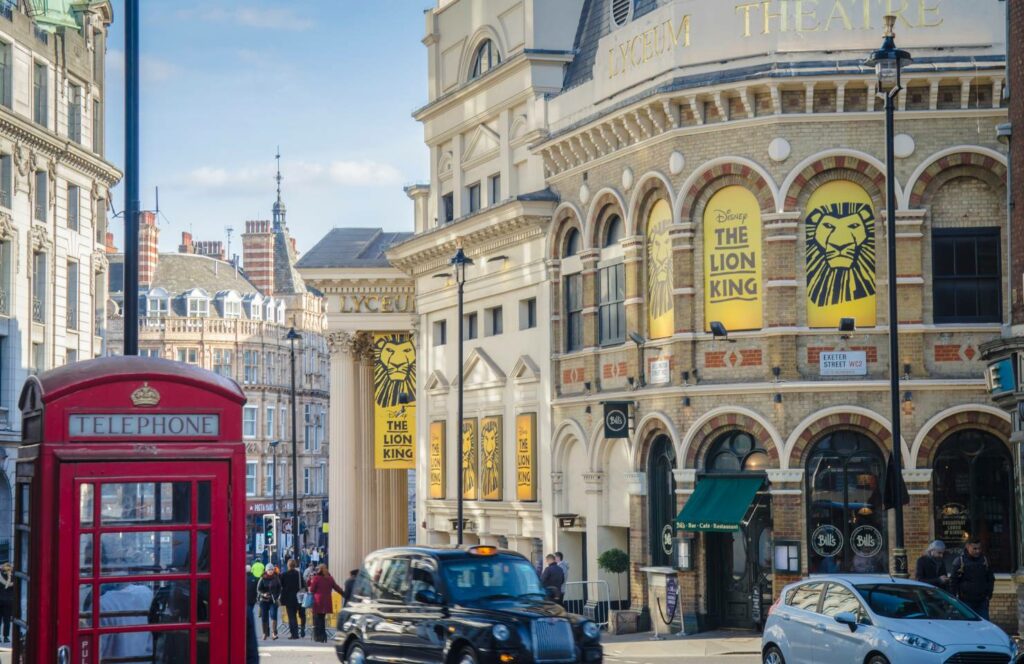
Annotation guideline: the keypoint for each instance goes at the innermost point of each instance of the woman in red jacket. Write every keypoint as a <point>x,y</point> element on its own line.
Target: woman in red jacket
<point>321,585</point>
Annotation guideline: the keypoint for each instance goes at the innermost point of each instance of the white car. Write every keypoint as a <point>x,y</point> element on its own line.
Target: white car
<point>866,619</point>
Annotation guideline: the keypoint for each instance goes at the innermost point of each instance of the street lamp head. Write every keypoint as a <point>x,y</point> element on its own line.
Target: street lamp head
<point>274,444</point>
<point>459,262</point>
<point>637,339</point>
<point>889,61</point>
<point>718,330</point>
<point>293,335</point>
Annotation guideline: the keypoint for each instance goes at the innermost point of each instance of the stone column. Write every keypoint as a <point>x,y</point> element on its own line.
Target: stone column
<point>343,537</point>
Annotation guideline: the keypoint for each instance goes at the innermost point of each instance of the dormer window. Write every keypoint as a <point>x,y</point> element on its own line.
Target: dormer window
<point>253,306</point>
<point>280,312</point>
<point>230,303</point>
<point>158,303</point>
<point>485,59</point>
<point>198,302</point>
<point>268,310</point>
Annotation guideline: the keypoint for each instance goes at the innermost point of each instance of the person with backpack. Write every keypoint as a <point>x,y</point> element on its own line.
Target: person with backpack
<point>972,580</point>
<point>268,591</point>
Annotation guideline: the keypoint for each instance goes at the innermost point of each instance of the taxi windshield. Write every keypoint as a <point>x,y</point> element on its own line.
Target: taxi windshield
<point>908,602</point>
<point>476,579</point>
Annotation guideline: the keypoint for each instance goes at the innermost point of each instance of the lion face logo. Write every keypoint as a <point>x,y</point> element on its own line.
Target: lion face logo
<point>394,371</point>
<point>840,253</point>
<point>659,269</point>
<point>468,460</point>
<point>490,462</point>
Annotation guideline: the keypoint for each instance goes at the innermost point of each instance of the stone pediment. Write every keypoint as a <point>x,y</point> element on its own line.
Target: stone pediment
<point>484,142</point>
<point>437,383</point>
<point>481,372</point>
<point>525,370</point>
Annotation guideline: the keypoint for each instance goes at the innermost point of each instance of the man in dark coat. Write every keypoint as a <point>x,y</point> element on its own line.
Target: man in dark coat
<point>972,580</point>
<point>930,567</point>
<point>350,583</point>
<point>553,577</point>
<point>250,587</point>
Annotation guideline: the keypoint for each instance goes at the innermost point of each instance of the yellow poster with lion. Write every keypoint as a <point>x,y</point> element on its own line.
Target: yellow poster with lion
<point>660,310</point>
<point>469,469</point>
<point>491,455</point>
<point>394,408</point>
<point>839,226</point>
<point>732,260</point>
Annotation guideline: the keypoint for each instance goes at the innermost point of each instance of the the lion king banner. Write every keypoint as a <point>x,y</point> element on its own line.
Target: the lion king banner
<point>491,454</point>
<point>437,460</point>
<point>469,456</point>
<point>394,408</point>
<point>732,260</point>
<point>840,230</point>
<point>660,311</point>
<point>526,457</point>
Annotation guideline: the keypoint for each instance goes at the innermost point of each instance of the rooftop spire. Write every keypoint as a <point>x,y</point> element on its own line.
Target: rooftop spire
<point>279,209</point>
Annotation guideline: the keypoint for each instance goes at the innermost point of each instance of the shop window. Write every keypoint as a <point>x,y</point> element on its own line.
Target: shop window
<point>973,496</point>
<point>846,522</point>
<point>734,452</point>
<point>966,275</point>
<point>661,494</point>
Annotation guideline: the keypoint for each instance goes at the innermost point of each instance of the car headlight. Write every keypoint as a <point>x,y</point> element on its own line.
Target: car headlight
<point>591,630</point>
<point>919,642</point>
<point>501,633</point>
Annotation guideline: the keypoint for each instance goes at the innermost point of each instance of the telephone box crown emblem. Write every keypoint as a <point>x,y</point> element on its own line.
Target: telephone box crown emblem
<point>145,396</point>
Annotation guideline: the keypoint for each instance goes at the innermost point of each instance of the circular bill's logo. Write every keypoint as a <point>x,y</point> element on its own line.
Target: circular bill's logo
<point>866,541</point>
<point>666,539</point>
<point>827,541</point>
<point>615,421</point>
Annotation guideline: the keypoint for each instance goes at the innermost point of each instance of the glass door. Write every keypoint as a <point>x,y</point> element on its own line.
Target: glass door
<point>147,551</point>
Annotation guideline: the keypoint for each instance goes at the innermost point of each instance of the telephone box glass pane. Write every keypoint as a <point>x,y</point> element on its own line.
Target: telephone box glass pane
<point>146,502</point>
<point>85,503</point>
<point>85,605</point>
<point>23,559</point>
<point>202,647</point>
<point>203,502</point>
<point>203,601</point>
<point>203,547</point>
<point>144,603</point>
<point>23,514</point>
<point>145,647</point>
<point>144,553</point>
<point>85,555</point>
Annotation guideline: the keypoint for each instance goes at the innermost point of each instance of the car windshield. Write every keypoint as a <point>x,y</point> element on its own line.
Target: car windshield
<point>476,579</point>
<point>907,602</point>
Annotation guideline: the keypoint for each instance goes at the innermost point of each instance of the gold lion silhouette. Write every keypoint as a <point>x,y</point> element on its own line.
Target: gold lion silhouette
<point>394,371</point>
<point>840,253</point>
<point>490,464</point>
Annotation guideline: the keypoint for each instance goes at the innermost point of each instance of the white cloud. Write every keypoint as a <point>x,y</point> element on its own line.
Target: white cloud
<point>265,18</point>
<point>260,179</point>
<point>151,70</point>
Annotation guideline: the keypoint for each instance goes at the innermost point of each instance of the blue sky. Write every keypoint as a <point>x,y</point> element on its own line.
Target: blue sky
<point>224,82</point>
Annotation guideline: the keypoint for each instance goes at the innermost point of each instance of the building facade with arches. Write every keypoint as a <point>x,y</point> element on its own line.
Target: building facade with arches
<point>717,224</point>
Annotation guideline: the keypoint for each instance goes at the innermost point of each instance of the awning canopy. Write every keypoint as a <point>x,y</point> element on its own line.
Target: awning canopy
<point>718,504</point>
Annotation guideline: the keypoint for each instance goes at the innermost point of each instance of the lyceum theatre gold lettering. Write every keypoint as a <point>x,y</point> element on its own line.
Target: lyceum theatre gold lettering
<point>648,45</point>
<point>767,17</point>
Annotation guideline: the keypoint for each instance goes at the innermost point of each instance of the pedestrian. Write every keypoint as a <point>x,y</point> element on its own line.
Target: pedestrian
<point>291,586</point>
<point>6,600</point>
<point>250,588</point>
<point>350,584</point>
<point>565,569</point>
<point>252,646</point>
<point>322,584</point>
<point>930,567</point>
<point>972,580</point>
<point>308,573</point>
<point>552,577</point>
<point>268,591</point>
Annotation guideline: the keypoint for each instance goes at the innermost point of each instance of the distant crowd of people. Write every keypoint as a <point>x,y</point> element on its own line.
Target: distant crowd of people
<point>555,575</point>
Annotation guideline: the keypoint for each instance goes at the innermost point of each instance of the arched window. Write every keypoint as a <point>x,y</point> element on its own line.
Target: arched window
<point>572,243</point>
<point>846,523</point>
<point>661,496</point>
<point>973,496</point>
<point>734,452</point>
<point>573,293</point>
<point>612,294</point>
<point>485,59</point>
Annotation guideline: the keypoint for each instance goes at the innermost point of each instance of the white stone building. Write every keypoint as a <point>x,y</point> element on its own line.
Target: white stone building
<point>54,181</point>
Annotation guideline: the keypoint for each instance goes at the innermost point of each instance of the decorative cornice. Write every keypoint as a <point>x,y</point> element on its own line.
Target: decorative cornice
<point>341,343</point>
<point>28,136</point>
<point>39,239</point>
<point>6,226</point>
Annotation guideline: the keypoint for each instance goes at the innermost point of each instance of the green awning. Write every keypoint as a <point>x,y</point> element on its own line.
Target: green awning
<point>718,504</point>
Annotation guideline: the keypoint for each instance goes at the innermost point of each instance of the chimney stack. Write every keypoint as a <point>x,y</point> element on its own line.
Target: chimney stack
<point>211,248</point>
<point>149,235</point>
<point>186,246</point>
<point>258,255</point>
<point>109,243</point>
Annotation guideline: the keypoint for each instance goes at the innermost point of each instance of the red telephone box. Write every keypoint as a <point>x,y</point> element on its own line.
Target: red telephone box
<point>130,516</point>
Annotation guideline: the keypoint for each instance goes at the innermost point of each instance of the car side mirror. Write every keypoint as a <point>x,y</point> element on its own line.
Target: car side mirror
<point>428,596</point>
<point>848,619</point>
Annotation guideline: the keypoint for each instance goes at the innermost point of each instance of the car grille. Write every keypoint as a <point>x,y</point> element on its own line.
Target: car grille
<point>977,657</point>
<point>553,640</point>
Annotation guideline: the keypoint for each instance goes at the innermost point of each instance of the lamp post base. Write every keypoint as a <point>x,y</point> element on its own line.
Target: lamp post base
<point>899,563</point>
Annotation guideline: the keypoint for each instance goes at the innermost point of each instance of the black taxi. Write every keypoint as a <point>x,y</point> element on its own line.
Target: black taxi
<point>461,606</point>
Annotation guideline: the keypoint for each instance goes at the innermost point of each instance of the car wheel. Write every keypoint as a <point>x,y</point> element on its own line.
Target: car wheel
<point>878,659</point>
<point>773,656</point>
<point>467,657</point>
<point>355,655</point>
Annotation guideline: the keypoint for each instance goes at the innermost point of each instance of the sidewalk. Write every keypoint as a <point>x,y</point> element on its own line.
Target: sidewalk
<point>705,644</point>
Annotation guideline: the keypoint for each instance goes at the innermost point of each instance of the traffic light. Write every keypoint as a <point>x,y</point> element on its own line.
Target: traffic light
<point>270,530</point>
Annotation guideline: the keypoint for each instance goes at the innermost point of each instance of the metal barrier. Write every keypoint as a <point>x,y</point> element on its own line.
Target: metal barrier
<point>590,599</point>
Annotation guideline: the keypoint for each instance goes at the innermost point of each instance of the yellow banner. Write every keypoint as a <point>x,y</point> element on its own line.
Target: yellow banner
<point>394,394</point>
<point>660,309</point>
<point>526,457</point>
<point>491,454</point>
<point>732,260</point>
<point>469,456</point>
<point>437,445</point>
<point>840,254</point>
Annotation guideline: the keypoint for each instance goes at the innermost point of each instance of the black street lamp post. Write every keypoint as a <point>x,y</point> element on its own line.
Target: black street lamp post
<point>292,336</point>
<point>459,263</point>
<point>273,472</point>
<point>888,62</point>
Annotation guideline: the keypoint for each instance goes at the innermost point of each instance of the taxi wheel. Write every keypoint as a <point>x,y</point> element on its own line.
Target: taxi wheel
<point>355,655</point>
<point>467,657</point>
<point>878,659</point>
<point>773,656</point>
